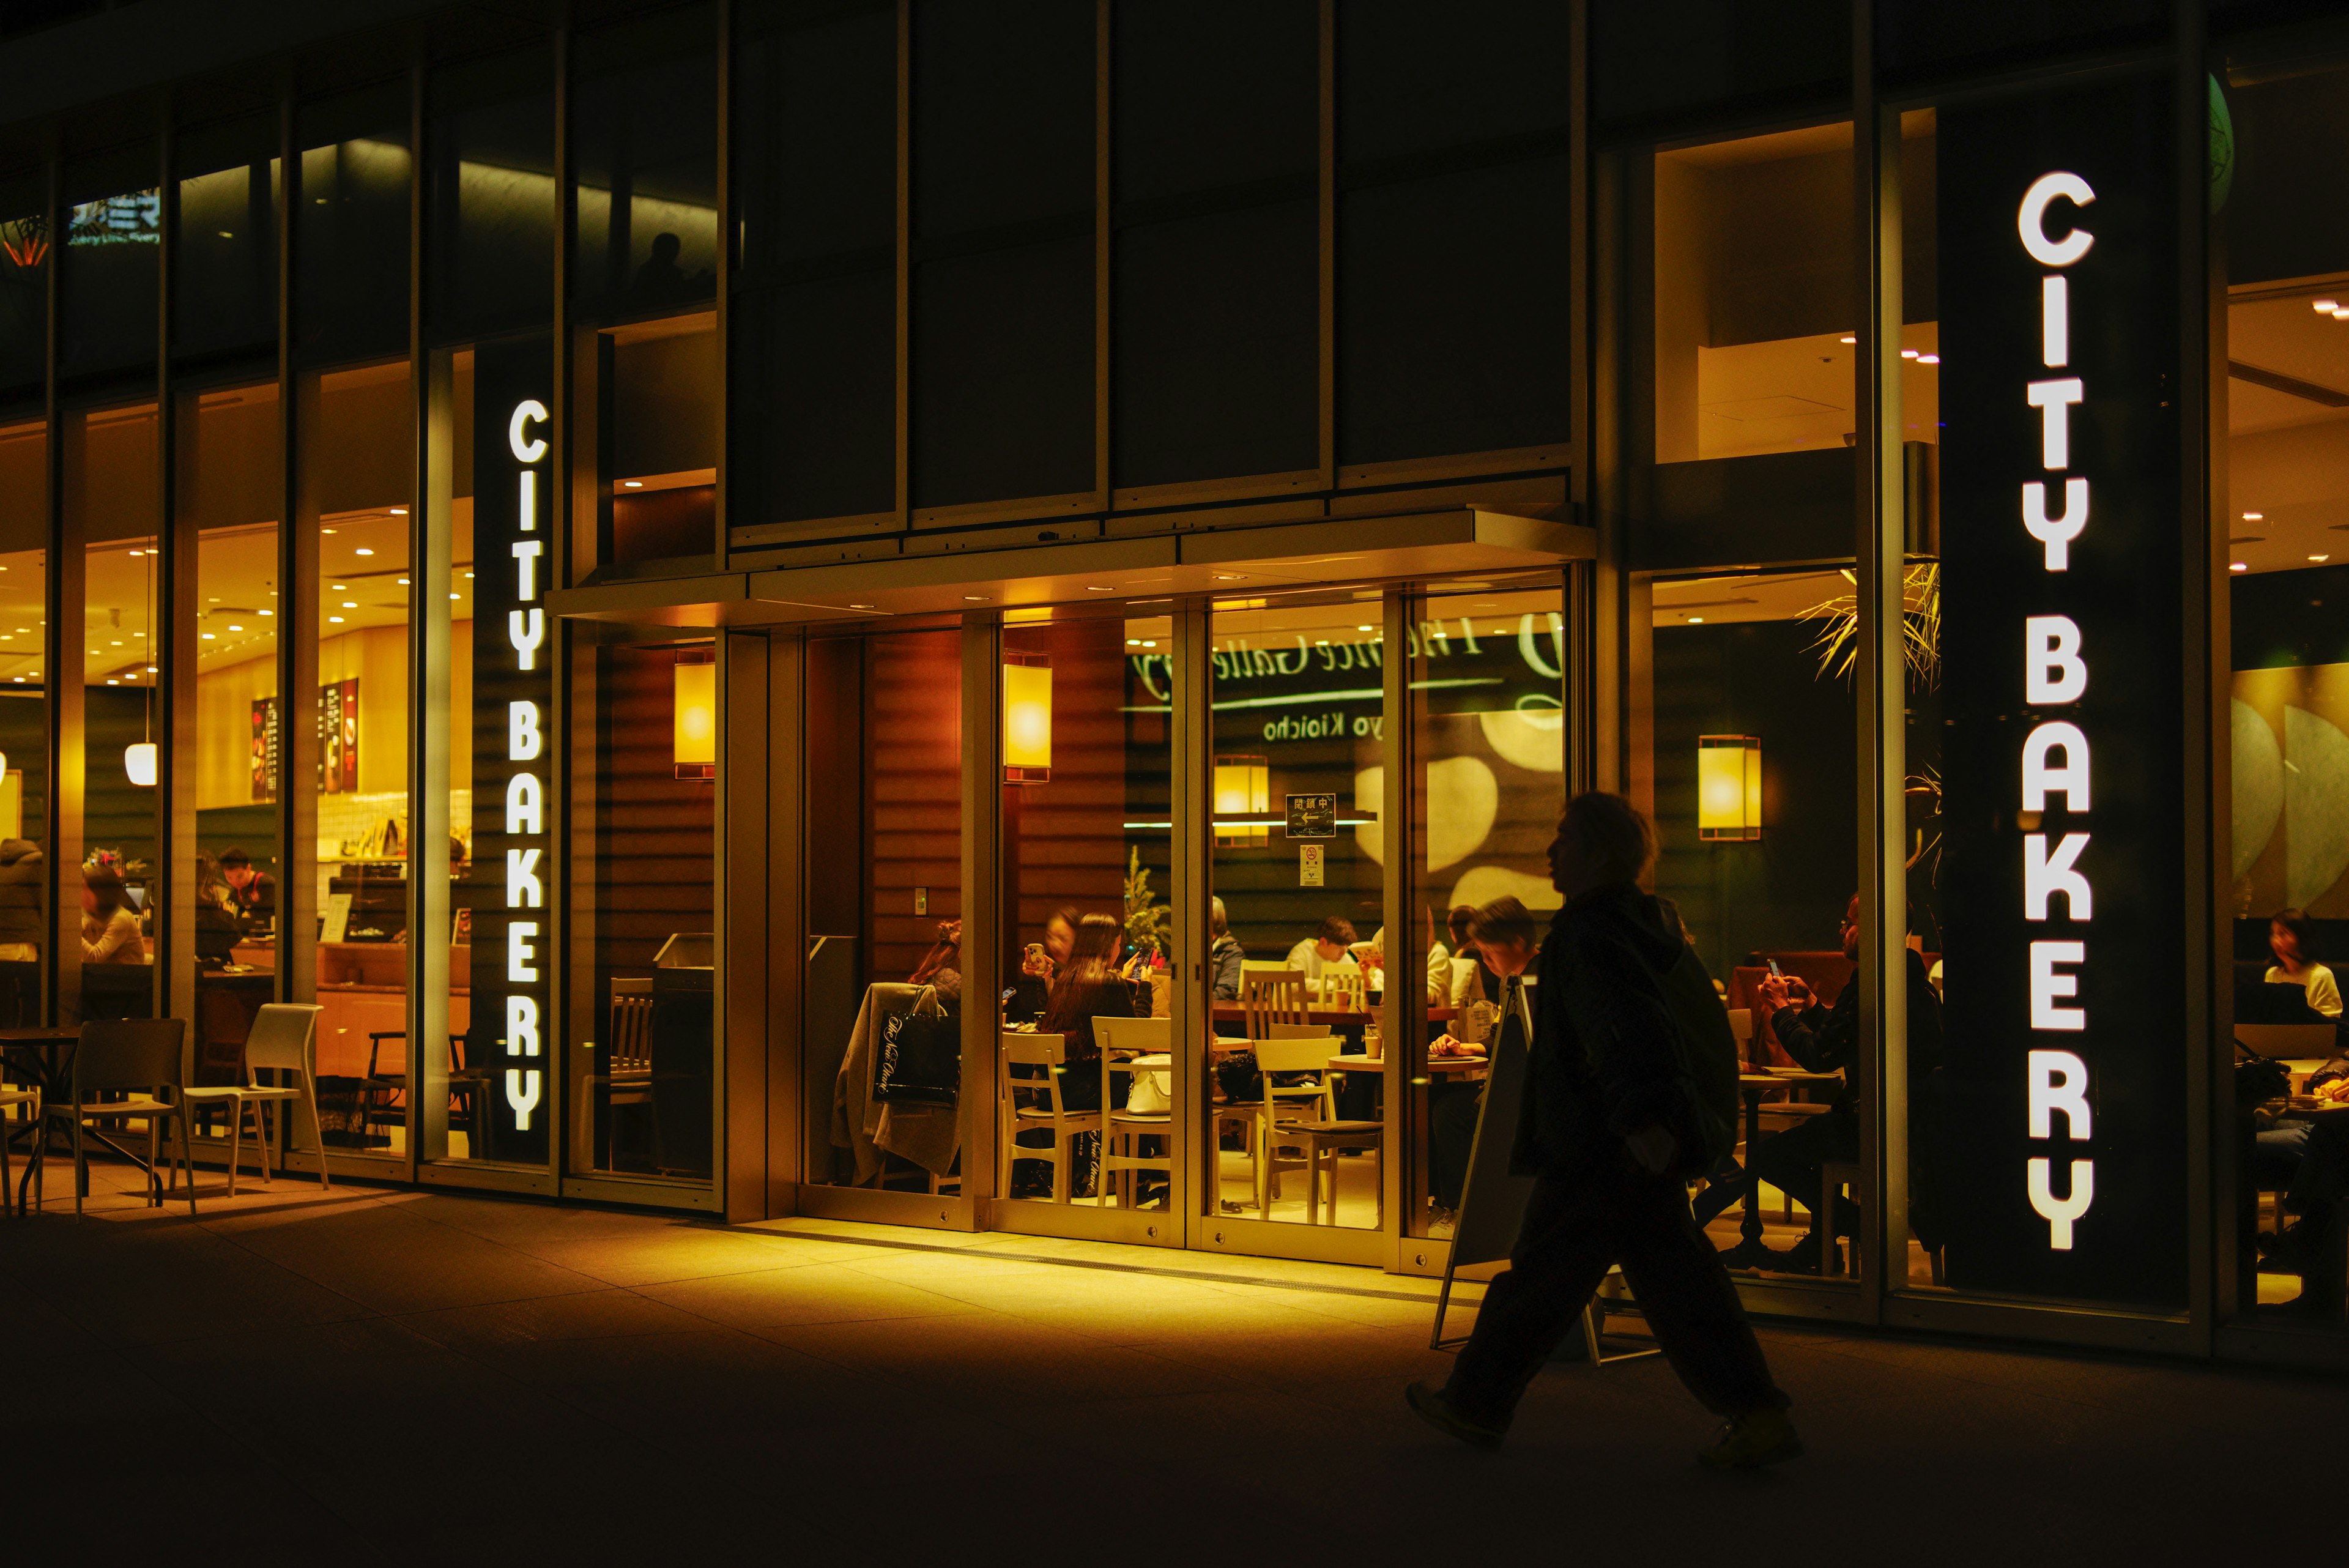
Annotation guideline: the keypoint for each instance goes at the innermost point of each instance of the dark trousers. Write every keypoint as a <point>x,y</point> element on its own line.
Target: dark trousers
<point>1791,1161</point>
<point>1576,1228</point>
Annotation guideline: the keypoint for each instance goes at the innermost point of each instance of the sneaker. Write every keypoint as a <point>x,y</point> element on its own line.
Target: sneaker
<point>1756,1438</point>
<point>1437,1411</point>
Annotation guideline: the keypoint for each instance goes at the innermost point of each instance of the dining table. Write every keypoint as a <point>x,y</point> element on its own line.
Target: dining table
<point>1753,1086</point>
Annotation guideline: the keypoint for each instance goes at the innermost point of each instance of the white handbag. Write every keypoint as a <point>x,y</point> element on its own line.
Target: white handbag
<point>1145,1094</point>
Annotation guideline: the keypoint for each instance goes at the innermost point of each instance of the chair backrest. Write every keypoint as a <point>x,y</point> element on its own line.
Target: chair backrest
<point>134,1053</point>
<point>1021,1049</point>
<point>1297,1032</point>
<point>282,1037</point>
<point>1272,996</point>
<point>1741,1029</point>
<point>1304,1053</point>
<point>632,1033</point>
<point>1136,1037</point>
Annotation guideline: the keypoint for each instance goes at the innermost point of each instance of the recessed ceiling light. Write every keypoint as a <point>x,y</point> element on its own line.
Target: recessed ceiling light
<point>975,598</point>
<point>236,628</point>
<point>1229,577</point>
<point>2319,557</point>
<point>325,530</point>
<point>1908,353</point>
<point>1361,629</point>
<point>1134,642</point>
<point>403,582</point>
<point>111,680</point>
<point>1849,337</point>
<point>1097,589</point>
<point>1696,621</point>
<point>212,637</point>
<point>1146,642</point>
<point>632,484</point>
<point>2253,516</point>
<point>1928,358</point>
<point>2237,567</point>
<point>150,669</point>
<point>2341,315</point>
<point>333,620</point>
<point>396,512</point>
<point>269,612</point>
<point>456,596</point>
<point>2325,304</point>
<point>860,607</point>
<point>363,551</point>
<point>341,588</point>
<point>347,604</point>
<point>469,574</point>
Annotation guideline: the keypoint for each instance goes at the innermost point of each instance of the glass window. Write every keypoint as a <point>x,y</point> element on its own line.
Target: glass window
<point>351,232</point>
<point>1299,712</point>
<point>1217,257</point>
<point>1916,36</point>
<point>642,920</point>
<point>113,220</point>
<point>645,134</point>
<point>814,366</point>
<point>27,885</point>
<point>2287,415</point>
<point>1088,839</point>
<point>491,149</point>
<point>110,504</point>
<point>648,399</point>
<point>24,281</point>
<point>884,901</point>
<point>358,478</point>
<point>1688,54</point>
<point>224,270</point>
<point>1488,726</point>
<point>231,489</point>
<point>1754,338</point>
<point>1450,125</point>
<point>1004,134</point>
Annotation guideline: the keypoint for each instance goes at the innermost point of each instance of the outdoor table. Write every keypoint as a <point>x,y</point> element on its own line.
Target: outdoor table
<point>1749,1253</point>
<point>44,1056</point>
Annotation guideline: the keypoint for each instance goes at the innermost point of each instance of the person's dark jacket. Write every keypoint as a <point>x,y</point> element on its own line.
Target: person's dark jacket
<point>1826,1039</point>
<point>1628,1033</point>
<point>23,878</point>
<point>1227,960</point>
<point>1077,1000</point>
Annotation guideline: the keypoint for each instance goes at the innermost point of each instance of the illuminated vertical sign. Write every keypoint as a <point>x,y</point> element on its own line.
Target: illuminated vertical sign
<point>2050,1150</point>
<point>510,883</point>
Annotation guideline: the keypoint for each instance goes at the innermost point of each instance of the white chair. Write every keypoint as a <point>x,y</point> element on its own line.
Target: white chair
<point>142,1059</point>
<point>29,1100</point>
<point>1032,1100</point>
<point>1269,996</point>
<point>283,1040</point>
<point>1303,1055</point>
<point>1123,1128</point>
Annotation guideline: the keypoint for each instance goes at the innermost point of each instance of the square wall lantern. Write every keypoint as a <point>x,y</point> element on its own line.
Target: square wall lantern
<point>1728,787</point>
<point>1243,789</point>
<point>696,743</point>
<point>1026,719</point>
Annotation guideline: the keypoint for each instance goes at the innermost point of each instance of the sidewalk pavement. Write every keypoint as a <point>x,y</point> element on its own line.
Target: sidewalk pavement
<point>377,1376</point>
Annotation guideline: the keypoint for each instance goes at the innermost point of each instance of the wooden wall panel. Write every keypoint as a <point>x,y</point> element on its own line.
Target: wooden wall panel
<point>913,744</point>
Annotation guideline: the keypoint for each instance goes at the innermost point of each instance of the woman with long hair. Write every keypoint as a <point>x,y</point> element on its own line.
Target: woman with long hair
<point>1089,987</point>
<point>110,926</point>
<point>2289,938</point>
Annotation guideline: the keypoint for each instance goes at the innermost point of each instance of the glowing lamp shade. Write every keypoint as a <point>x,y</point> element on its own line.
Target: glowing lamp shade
<point>696,746</point>
<point>139,763</point>
<point>1728,787</point>
<point>1028,721</point>
<point>1243,789</point>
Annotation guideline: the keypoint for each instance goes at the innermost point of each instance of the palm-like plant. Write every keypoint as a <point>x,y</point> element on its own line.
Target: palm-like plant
<point>1921,625</point>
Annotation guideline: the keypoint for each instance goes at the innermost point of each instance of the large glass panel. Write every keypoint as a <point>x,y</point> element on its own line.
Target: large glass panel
<point>646,415</point>
<point>1675,55</point>
<point>231,489</point>
<point>884,791</point>
<point>1451,228</point>
<point>24,281</point>
<point>1004,134</point>
<point>1087,838</point>
<point>645,141</point>
<point>350,230</point>
<point>1299,718</point>
<point>491,160</point>
<point>642,768</point>
<point>814,367</point>
<point>27,886</point>
<point>111,500</point>
<point>2287,479</point>
<point>1488,727</point>
<point>1217,257</point>
<point>358,474</point>
<point>224,269</point>
<point>108,291</point>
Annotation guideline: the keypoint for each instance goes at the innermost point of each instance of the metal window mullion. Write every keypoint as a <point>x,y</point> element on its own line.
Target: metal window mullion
<point>1879,548</point>
<point>171,692</point>
<point>61,657</point>
<point>429,520</point>
<point>1190,886</point>
<point>726,219</point>
<point>1404,1024</point>
<point>982,904</point>
<point>297,599</point>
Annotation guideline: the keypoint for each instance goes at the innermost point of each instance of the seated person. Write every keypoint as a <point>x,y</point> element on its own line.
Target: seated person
<point>1226,959</point>
<point>1826,1040</point>
<point>1326,950</point>
<point>1088,987</point>
<point>2295,963</point>
<point>1507,939</point>
<point>110,926</point>
<point>254,890</point>
<point>218,926</point>
<point>1039,964</point>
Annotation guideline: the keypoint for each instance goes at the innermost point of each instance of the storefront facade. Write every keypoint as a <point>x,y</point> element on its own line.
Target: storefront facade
<point>602,547</point>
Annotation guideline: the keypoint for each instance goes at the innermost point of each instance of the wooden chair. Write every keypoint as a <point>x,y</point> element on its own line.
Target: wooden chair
<point>1272,996</point>
<point>29,1101</point>
<point>1344,988</point>
<point>1302,1055</point>
<point>1123,1129</point>
<point>142,1059</point>
<point>283,1039</point>
<point>1031,1101</point>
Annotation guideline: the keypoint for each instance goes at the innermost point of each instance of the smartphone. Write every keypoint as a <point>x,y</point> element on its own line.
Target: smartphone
<point>1776,973</point>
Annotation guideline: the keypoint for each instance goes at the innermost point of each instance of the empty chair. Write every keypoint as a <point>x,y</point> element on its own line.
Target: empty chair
<point>143,1059</point>
<point>283,1041</point>
<point>1272,996</point>
<point>1286,1105</point>
<point>29,1102</point>
<point>1031,1101</point>
<point>1122,1127</point>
